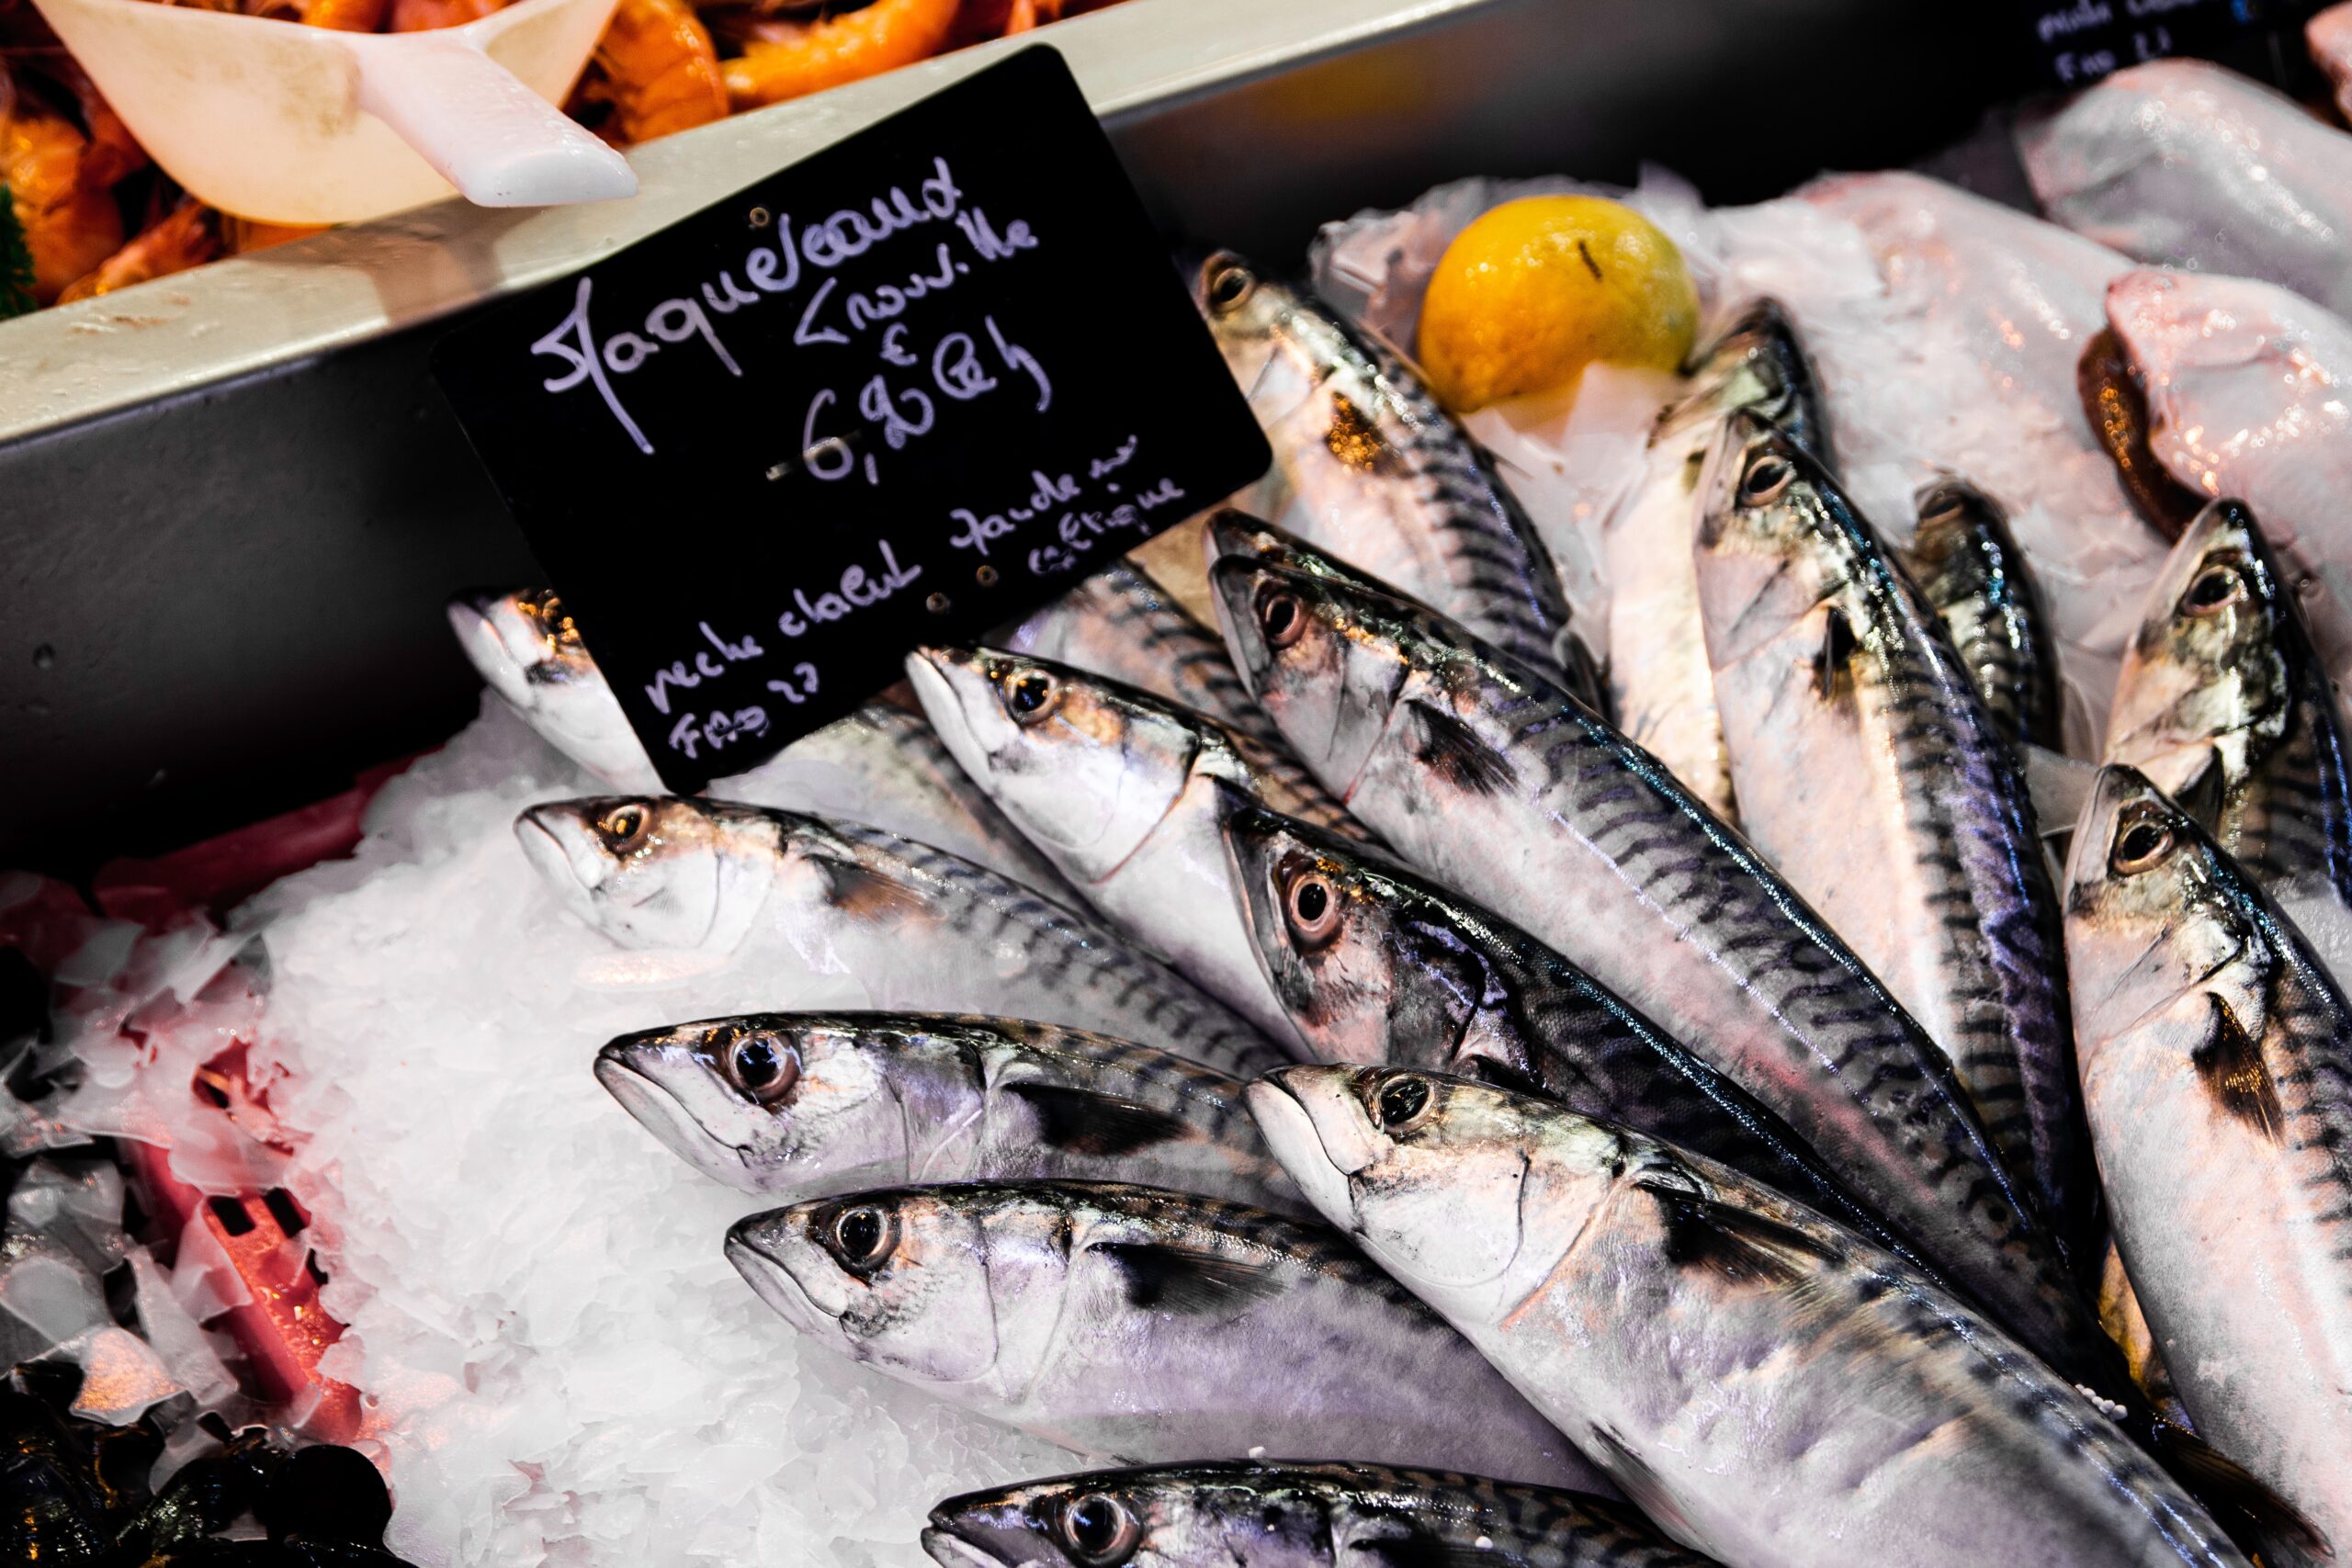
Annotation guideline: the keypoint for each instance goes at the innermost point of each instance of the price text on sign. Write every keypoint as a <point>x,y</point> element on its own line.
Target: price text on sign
<point>900,392</point>
<point>2081,41</point>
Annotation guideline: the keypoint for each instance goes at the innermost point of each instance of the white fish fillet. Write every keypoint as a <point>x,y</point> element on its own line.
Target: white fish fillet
<point>2180,162</point>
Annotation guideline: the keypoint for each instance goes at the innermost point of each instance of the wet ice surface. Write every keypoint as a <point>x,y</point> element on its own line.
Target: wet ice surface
<point>1945,337</point>
<point>565,1369</point>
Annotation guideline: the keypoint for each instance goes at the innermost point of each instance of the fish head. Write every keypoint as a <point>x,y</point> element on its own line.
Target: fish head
<point>1269,333</point>
<point>1429,1172</point>
<point>1085,767</point>
<point>898,1279</point>
<point>2151,908</point>
<point>1325,659</point>
<point>653,871</point>
<point>766,1102</point>
<point>527,649</point>
<point>2208,671</point>
<point>1758,364</point>
<point>1770,537</point>
<point>1363,974</point>
<point>1216,1515</point>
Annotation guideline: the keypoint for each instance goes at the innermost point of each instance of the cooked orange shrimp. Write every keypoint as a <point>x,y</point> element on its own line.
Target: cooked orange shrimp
<point>417,16</point>
<point>113,151</point>
<point>883,37</point>
<point>657,69</point>
<point>188,236</point>
<point>240,235</point>
<point>70,226</point>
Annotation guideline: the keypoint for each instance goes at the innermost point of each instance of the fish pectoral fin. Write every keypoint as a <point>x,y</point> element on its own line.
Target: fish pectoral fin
<point>1086,1121</point>
<point>1455,753</point>
<point>1182,1279</point>
<point>869,894</point>
<point>1704,1232</point>
<point>2201,796</point>
<point>1424,1551</point>
<point>2249,1511</point>
<point>2229,1065</point>
<point>1642,1488</point>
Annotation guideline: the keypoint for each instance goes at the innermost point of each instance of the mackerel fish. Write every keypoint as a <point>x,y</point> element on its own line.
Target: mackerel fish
<point>1491,780</point>
<point>1270,1514</point>
<point>1148,1325</point>
<point>1370,469</point>
<point>1377,964</point>
<point>814,1104</point>
<point>1125,792</point>
<point>918,929</point>
<point>1769,1388</point>
<point>1659,683</point>
<point>2223,705</point>
<point>2217,1072</point>
<point>1969,567</point>
<point>1875,781</point>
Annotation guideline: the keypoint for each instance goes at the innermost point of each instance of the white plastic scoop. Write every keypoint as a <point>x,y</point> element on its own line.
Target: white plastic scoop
<point>291,124</point>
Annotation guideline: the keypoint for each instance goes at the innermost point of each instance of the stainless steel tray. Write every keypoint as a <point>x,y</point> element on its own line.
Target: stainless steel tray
<point>232,505</point>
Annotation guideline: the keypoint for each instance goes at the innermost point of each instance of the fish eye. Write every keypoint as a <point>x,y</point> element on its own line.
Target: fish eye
<point>1401,1102</point>
<point>2215,589</point>
<point>1099,1529</point>
<point>760,1064</point>
<point>2142,838</point>
<point>1033,695</point>
<point>1766,478</point>
<point>1312,907</point>
<point>1281,618</point>
<point>1228,283</point>
<point>625,829</point>
<point>861,1236</point>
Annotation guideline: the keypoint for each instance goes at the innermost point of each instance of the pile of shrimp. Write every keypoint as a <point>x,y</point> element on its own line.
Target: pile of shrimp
<point>96,216</point>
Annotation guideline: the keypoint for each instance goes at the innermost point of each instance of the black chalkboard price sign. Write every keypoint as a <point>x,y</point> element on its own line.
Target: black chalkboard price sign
<point>900,393</point>
<point>2078,41</point>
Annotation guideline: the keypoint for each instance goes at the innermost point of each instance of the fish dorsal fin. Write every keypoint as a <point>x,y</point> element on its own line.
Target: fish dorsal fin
<point>1705,1232</point>
<point>1455,753</point>
<point>1418,1551</point>
<point>2250,1512</point>
<point>1161,1276</point>
<point>1088,1122</point>
<point>2229,1065</point>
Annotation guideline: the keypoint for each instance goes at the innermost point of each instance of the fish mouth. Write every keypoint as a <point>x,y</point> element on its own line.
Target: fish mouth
<point>473,618</point>
<point>1294,1134</point>
<point>772,1280</point>
<point>664,1115</point>
<point>538,830</point>
<point>952,1551</point>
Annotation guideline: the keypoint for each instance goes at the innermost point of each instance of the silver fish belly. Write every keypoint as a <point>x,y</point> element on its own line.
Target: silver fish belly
<point>1368,468</point>
<point>2217,1071</point>
<point>1144,1324</point>
<point>1491,780</point>
<point>2223,705</point>
<point>809,1105</point>
<point>1273,1514</point>
<point>1878,785</point>
<point>1769,1388</point>
<point>1660,687</point>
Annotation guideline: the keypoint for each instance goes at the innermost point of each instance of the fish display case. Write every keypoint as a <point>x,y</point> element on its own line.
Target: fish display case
<point>1160,1044</point>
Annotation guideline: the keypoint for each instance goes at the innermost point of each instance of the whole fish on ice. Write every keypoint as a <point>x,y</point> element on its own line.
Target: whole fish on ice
<point>1273,1514</point>
<point>919,929</point>
<point>1770,1389</point>
<point>2217,1070</point>
<point>1845,702</point>
<point>807,1105</point>
<point>1148,1325</point>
